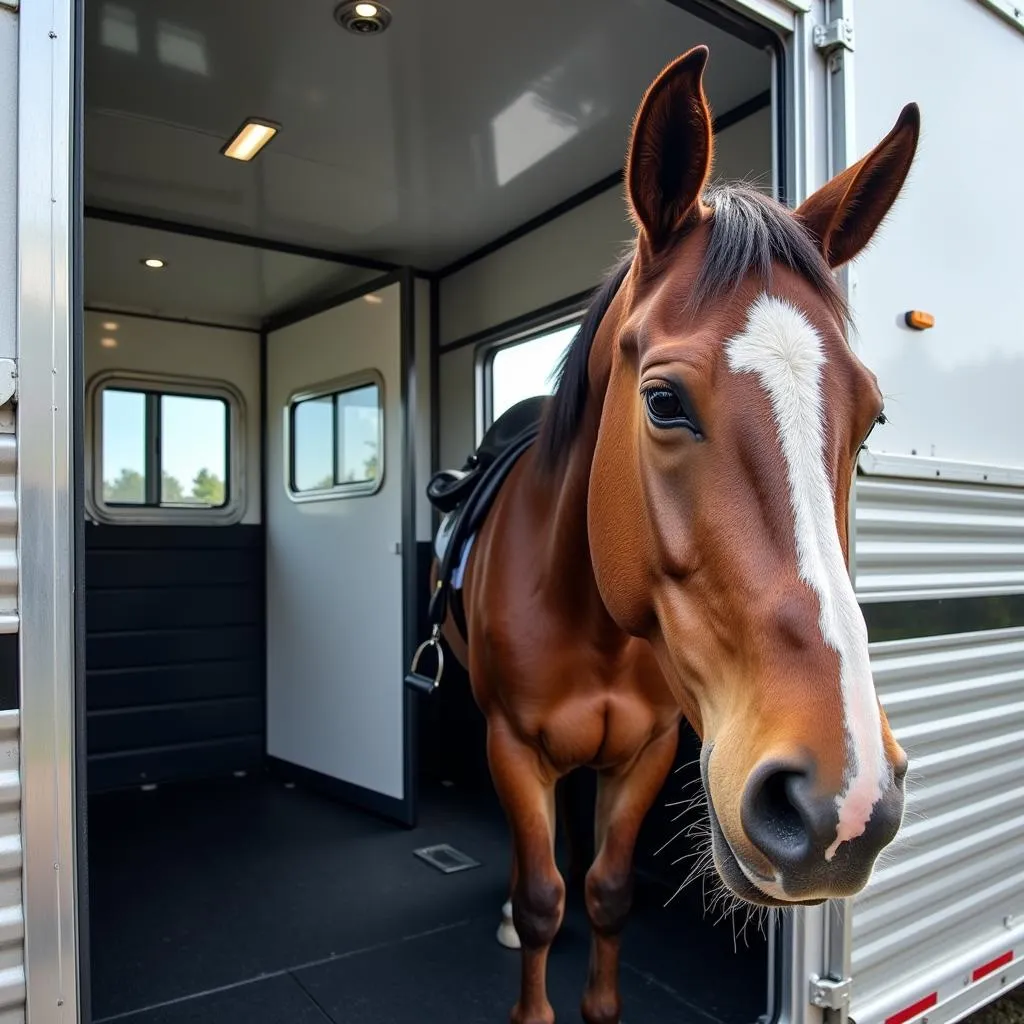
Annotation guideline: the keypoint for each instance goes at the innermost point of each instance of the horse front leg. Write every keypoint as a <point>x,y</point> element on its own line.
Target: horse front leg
<point>579,839</point>
<point>623,799</point>
<point>527,794</point>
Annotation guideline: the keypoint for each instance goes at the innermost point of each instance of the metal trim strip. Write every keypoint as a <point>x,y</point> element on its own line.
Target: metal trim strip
<point>47,538</point>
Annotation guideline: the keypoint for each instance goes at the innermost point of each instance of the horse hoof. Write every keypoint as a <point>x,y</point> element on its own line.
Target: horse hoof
<point>544,1015</point>
<point>602,1010</point>
<point>507,934</point>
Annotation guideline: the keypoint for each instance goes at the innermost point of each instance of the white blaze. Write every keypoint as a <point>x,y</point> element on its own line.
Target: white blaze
<point>781,347</point>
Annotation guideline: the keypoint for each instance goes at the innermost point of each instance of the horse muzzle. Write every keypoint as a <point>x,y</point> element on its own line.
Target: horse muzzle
<point>790,829</point>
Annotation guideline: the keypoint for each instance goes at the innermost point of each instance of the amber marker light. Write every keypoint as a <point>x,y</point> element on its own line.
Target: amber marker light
<point>919,320</point>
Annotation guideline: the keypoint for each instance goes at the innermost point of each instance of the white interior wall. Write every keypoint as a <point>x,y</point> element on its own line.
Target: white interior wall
<point>562,258</point>
<point>183,350</point>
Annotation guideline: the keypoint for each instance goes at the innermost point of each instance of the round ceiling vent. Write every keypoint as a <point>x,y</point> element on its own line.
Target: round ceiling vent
<point>362,17</point>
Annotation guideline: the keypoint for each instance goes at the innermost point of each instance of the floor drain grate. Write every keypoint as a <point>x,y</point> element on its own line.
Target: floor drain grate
<point>446,858</point>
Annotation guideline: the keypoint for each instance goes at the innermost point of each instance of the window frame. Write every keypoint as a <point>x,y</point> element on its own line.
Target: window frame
<point>236,453</point>
<point>488,349</point>
<point>332,388</point>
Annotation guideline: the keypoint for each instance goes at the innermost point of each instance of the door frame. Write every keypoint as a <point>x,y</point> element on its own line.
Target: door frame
<point>49,498</point>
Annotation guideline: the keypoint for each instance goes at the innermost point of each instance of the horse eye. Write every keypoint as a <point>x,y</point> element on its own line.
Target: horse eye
<point>664,408</point>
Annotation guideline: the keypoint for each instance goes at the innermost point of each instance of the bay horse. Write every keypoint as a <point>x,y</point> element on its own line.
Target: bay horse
<point>675,545</point>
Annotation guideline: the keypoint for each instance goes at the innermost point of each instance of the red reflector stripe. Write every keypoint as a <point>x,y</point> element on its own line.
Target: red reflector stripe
<point>993,965</point>
<point>912,1011</point>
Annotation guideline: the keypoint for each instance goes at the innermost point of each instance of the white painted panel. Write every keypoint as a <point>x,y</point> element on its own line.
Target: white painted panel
<point>159,346</point>
<point>951,246</point>
<point>8,178</point>
<point>561,258</point>
<point>565,257</point>
<point>457,405</point>
<point>950,896</point>
<point>930,540</point>
<point>334,579</point>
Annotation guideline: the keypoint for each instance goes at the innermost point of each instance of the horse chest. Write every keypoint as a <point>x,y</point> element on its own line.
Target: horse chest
<point>598,730</point>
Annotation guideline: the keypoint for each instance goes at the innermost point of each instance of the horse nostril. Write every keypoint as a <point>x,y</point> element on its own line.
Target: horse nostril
<point>775,803</point>
<point>782,817</point>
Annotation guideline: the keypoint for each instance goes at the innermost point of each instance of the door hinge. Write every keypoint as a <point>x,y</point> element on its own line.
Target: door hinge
<point>830,993</point>
<point>835,35</point>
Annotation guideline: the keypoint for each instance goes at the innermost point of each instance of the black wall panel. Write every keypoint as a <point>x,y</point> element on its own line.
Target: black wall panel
<point>175,639</point>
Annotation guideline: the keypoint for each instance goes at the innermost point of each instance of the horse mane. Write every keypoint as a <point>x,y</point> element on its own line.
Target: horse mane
<point>748,233</point>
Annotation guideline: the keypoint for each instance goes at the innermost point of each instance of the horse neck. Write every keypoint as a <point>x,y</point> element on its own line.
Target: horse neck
<point>569,572</point>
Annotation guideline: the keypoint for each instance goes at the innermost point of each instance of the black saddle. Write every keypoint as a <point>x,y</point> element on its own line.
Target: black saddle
<point>465,496</point>
<point>450,488</point>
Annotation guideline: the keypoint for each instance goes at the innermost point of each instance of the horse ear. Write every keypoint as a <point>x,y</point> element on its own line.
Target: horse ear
<point>844,214</point>
<point>670,150</point>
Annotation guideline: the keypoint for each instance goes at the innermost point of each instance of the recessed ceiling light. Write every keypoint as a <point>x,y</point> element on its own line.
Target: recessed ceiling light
<point>154,263</point>
<point>249,139</point>
<point>373,299</point>
<point>110,325</point>
<point>362,17</point>
<point>108,342</point>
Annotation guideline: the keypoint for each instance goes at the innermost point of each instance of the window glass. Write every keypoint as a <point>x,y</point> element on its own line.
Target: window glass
<point>336,439</point>
<point>123,457</point>
<point>193,451</point>
<point>358,434</point>
<point>312,444</point>
<point>160,448</point>
<point>527,368</point>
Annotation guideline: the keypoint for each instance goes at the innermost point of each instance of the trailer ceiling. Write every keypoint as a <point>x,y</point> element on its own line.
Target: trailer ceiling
<point>460,123</point>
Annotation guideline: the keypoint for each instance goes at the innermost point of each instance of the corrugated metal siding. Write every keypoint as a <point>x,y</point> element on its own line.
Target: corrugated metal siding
<point>941,900</point>
<point>919,539</point>
<point>12,928</point>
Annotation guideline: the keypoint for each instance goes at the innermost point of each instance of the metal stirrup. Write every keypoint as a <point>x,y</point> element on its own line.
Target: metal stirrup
<point>415,678</point>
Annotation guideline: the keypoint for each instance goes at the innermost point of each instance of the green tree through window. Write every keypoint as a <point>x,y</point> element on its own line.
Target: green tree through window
<point>208,488</point>
<point>128,488</point>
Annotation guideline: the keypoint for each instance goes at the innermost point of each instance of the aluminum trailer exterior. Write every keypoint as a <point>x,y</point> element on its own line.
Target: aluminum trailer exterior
<point>938,511</point>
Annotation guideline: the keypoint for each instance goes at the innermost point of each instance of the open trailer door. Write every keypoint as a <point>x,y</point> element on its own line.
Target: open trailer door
<point>338,497</point>
<point>940,506</point>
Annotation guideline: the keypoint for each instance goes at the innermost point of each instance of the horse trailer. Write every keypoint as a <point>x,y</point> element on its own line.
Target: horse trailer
<point>266,268</point>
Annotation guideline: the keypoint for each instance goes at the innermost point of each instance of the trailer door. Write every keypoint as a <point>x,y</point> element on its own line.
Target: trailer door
<point>939,504</point>
<point>336,491</point>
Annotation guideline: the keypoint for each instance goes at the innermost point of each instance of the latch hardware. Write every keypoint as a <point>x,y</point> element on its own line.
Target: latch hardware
<point>830,993</point>
<point>836,35</point>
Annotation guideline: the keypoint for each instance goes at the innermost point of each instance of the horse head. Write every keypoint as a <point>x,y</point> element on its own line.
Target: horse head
<point>732,409</point>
